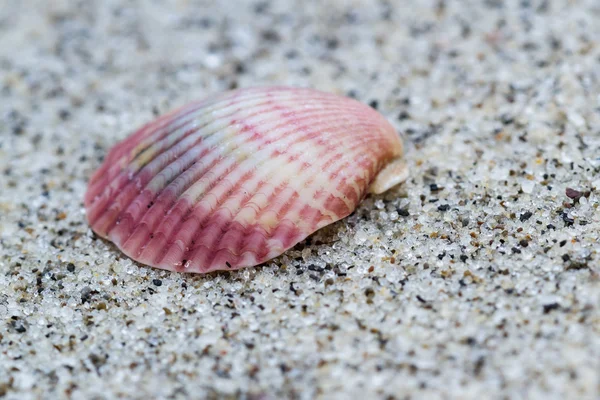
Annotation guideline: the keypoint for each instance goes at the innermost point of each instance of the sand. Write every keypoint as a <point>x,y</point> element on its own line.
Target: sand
<point>477,278</point>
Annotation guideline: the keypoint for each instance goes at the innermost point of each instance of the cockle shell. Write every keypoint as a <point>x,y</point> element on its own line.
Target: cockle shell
<point>237,179</point>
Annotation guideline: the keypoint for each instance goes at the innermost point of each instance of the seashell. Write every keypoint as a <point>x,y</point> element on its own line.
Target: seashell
<point>237,179</point>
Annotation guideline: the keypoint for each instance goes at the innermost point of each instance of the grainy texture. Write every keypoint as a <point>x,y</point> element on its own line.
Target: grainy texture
<point>236,179</point>
<point>479,278</point>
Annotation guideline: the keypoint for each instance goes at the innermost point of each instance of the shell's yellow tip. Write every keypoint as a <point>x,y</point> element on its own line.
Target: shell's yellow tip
<point>393,174</point>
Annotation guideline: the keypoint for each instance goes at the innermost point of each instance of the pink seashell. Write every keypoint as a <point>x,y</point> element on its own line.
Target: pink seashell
<point>237,179</point>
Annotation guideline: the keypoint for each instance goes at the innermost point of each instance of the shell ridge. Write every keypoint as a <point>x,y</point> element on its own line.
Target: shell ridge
<point>282,159</point>
<point>338,163</point>
<point>200,146</point>
<point>342,163</point>
<point>276,192</point>
<point>158,124</point>
<point>215,251</point>
<point>308,179</point>
<point>125,155</point>
<point>190,210</point>
<point>202,224</point>
<point>208,180</point>
<point>174,158</point>
<point>127,197</point>
<point>286,206</point>
<point>207,107</point>
<point>210,133</point>
<point>331,162</point>
<point>216,104</point>
<point>274,171</point>
<point>175,119</point>
<point>205,191</point>
<point>181,135</point>
<point>284,237</point>
<point>202,167</point>
<point>213,248</point>
<point>203,170</point>
<point>246,200</point>
<point>132,180</point>
<point>218,204</point>
<point>365,177</point>
<point>306,135</point>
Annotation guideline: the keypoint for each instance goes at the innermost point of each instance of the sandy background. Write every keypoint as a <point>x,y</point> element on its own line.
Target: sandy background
<point>478,278</point>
